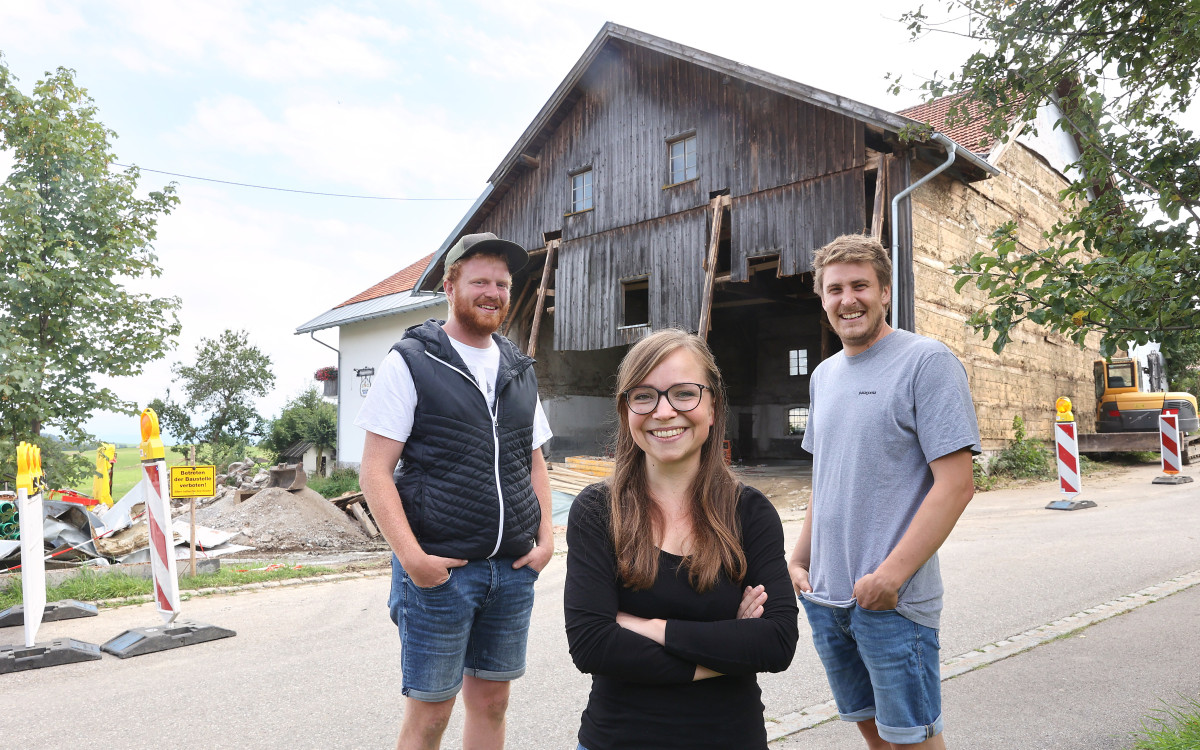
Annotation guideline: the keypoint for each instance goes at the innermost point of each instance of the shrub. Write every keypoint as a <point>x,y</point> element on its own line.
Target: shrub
<point>1024,458</point>
<point>339,482</point>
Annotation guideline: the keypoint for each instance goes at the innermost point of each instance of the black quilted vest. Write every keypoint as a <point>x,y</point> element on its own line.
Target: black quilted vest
<point>464,476</point>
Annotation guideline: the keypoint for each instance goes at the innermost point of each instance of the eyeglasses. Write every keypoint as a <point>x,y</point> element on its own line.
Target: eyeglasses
<point>682,397</point>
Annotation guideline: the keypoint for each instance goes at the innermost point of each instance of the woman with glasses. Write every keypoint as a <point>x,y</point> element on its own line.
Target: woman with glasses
<point>677,591</point>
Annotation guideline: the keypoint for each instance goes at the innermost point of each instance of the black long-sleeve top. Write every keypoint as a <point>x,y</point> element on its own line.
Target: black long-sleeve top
<point>643,694</point>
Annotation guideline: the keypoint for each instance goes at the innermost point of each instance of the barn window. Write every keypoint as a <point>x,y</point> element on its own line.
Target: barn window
<point>635,302</point>
<point>798,362</point>
<point>683,159</point>
<point>581,191</point>
<point>797,420</point>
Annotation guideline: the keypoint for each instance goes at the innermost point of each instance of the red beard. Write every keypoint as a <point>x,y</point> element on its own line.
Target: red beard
<point>475,320</point>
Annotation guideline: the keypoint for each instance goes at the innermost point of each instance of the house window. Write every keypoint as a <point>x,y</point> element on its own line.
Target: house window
<point>797,420</point>
<point>581,191</point>
<point>635,302</point>
<point>798,362</point>
<point>683,159</point>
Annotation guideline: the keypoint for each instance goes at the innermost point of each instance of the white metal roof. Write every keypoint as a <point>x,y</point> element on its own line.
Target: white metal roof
<point>378,307</point>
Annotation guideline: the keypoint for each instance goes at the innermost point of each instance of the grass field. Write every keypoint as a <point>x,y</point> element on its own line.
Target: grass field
<point>127,472</point>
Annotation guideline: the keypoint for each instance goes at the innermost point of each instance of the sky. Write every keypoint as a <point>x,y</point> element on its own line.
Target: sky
<point>410,99</point>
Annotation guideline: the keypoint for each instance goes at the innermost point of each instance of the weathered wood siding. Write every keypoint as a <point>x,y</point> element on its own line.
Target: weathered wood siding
<point>794,172</point>
<point>899,178</point>
<point>587,311</point>
<point>748,140</point>
<point>794,220</point>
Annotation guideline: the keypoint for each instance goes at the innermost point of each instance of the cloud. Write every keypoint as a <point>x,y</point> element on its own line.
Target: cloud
<point>266,271</point>
<point>325,42</point>
<point>384,148</point>
<point>32,26</point>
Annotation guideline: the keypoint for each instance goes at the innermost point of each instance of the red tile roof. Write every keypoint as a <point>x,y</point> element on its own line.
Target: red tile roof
<point>401,281</point>
<point>969,135</point>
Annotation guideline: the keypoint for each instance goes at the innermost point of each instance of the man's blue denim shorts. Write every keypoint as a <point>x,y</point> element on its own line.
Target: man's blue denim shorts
<point>476,623</point>
<point>880,665</point>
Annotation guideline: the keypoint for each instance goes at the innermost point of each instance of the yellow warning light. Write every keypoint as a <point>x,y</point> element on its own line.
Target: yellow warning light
<point>151,447</point>
<point>30,476</point>
<point>1063,407</point>
<point>24,468</point>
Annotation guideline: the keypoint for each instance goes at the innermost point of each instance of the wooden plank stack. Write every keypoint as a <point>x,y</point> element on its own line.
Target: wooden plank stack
<point>571,482</point>
<point>355,504</point>
<point>591,465</point>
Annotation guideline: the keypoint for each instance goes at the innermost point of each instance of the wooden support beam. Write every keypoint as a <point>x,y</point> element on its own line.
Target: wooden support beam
<point>881,202</point>
<point>514,312</point>
<point>826,338</point>
<point>718,205</point>
<point>360,514</point>
<point>551,253</point>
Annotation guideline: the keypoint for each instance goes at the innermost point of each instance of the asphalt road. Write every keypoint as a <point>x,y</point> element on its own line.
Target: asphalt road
<point>317,665</point>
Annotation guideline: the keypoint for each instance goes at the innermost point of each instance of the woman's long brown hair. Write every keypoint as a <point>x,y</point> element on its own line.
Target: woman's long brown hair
<point>637,523</point>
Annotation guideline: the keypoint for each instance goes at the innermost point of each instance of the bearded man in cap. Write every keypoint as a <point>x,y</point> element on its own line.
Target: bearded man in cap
<point>467,511</point>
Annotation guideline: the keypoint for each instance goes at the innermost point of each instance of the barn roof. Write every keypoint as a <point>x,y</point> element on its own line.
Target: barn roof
<point>884,123</point>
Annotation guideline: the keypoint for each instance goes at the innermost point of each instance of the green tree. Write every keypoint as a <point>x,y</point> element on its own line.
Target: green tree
<point>1124,261</point>
<point>217,413</point>
<point>63,467</point>
<point>73,234</point>
<point>306,417</point>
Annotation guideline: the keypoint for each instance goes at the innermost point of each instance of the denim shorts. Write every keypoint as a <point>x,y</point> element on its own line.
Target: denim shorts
<point>880,665</point>
<point>475,623</point>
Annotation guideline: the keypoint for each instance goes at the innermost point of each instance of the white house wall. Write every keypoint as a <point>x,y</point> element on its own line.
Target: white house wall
<point>1052,143</point>
<point>364,345</point>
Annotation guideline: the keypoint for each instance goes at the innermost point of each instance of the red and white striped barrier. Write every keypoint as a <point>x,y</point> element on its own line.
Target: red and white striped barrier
<point>1067,448</point>
<point>162,540</point>
<point>1168,431</point>
<point>156,490</point>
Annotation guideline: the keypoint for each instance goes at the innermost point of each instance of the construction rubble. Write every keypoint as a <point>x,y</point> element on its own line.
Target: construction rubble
<point>258,510</point>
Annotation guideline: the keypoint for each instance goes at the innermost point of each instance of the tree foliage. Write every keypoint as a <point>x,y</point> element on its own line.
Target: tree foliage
<point>217,412</point>
<point>73,233</point>
<point>63,466</point>
<point>1124,261</point>
<point>307,417</point>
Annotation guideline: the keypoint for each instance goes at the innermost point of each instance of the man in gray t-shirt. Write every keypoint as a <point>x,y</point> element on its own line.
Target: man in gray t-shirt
<point>892,430</point>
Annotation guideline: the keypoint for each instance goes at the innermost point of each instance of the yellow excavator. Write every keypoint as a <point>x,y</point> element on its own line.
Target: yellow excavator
<point>1130,395</point>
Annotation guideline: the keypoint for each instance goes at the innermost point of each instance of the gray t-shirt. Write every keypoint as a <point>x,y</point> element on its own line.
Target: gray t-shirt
<point>876,420</point>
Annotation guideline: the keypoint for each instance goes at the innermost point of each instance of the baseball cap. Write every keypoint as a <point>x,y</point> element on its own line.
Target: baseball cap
<point>514,254</point>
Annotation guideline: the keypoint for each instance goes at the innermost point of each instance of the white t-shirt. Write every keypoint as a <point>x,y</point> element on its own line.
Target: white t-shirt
<point>391,404</point>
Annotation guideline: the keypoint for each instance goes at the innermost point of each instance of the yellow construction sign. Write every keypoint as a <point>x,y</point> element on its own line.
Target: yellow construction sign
<point>193,481</point>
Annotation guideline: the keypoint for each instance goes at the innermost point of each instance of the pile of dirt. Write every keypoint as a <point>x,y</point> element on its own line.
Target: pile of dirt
<point>277,520</point>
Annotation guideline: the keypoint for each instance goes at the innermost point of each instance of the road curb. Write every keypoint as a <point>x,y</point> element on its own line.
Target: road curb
<point>330,578</point>
<point>809,717</point>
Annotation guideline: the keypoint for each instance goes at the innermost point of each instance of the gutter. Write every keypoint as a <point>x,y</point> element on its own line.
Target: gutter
<point>951,151</point>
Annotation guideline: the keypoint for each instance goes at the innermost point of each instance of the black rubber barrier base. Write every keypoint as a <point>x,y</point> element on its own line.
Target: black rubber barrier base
<point>67,609</point>
<point>55,653</point>
<point>140,641</point>
<point>1070,505</point>
<point>1177,479</point>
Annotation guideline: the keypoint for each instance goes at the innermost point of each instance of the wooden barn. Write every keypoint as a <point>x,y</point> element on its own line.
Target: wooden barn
<point>663,186</point>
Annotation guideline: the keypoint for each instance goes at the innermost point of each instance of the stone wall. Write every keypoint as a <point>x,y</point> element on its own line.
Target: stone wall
<point>953,220</point>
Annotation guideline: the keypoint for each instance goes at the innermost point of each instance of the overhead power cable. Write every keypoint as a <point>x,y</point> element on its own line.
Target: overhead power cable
<point>286,190</point>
